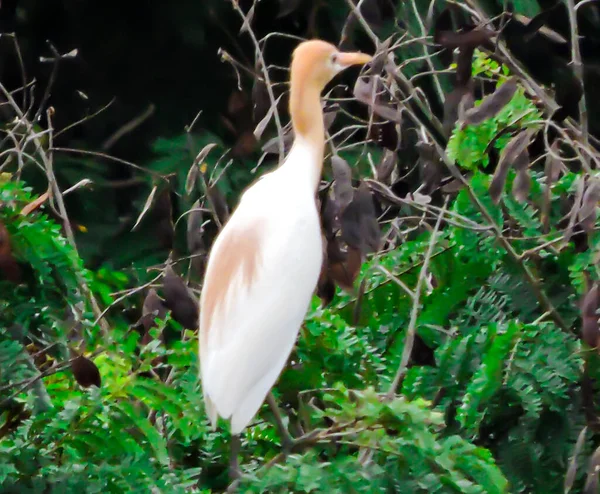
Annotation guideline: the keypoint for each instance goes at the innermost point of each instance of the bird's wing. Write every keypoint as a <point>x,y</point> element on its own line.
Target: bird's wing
<point>259,281</point>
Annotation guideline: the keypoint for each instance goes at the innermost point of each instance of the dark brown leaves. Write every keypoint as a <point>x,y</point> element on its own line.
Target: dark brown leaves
<point>572,470</point>
<point>466,39</point>
<point>359,222</point>
<point>345,271</point>
<point>85,371</point>
<point>154,307</point>
<point>192,175</point>
<point>522,181</point>
<point>218,204</point>
<point>386,167</point>
<point>457,102</point>
<point>492,104</point>
<point>364,91</point>
<point>350,231</point>
<point>591,483</point>
<point>430,166</point>
<point>589,203</point>
<point>179,300</point>
<point>342,185</point>
<point>514,154</point>
<point>325,286</point>
<point>195,231</point>
<point>552,170</point>
<point>590,332</point>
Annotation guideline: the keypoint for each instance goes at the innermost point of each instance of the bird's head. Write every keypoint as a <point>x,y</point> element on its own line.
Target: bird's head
<point>316,62</point>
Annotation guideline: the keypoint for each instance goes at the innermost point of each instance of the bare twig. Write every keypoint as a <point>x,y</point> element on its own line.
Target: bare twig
<point>409,338</point>
<point>84,119</point>
<point>128,127</point>
<point>265,71</point>
<point>578,68</point>
<point>48,165</point>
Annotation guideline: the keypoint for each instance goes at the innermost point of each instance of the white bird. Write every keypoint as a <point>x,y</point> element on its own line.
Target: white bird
<point>264,265</point>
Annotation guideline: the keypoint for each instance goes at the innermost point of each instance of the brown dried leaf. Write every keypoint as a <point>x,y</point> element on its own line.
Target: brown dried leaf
<point>498,181</point>
<point>515,148</point>
<point>201,156</point>
<point>590,332</point>
<point>379,58</point>
<point>537,25</point>
<point>329,118</point>
<point>522,182</point>
<point>33,205</point>
<point>154,305</point>
<point>326,291</point>
<point>572,470</point>
<point>261,102</point>
<point>589,203</point>
<point>262,125</point>
<point>218,204</point>
<point>591,484</point>
<point>553,166</point>
<point>552,170</point>
<point>85,371</point>
<point>342,185</point>
<point>467,39</point>
<point>192,177</point>
<point>513,154</point>
<point>194,229</point>
<point>146,207</point>
<point>360,228</point>
<point>589,304</point>
<point>152,309</point>
<point>325,285</point>
<point>179,300</point>
<point>363,92</point>
<point>492,104</point>
<point>272,145</point>
<point>345,273</point>
<point>330,216</point>
<point>334,251</point>
<point>453,186</point>
<point>454,105</point>
<point>430,166</point>
<point>576,206</point>
<point>384,192</point>
<point>387,166</point>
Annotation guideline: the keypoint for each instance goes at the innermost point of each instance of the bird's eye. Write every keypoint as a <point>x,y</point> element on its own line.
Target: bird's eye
<point>334,58</point>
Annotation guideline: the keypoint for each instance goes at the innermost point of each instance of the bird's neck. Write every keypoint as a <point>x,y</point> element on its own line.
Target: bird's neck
<point>309,129</point>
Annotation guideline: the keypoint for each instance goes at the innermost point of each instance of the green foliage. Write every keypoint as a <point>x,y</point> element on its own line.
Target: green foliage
<point>469,146</point>
<point>409,455</point>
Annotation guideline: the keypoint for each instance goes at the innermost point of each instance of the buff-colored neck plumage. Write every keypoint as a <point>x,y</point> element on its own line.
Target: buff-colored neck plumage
<point>305,99</point>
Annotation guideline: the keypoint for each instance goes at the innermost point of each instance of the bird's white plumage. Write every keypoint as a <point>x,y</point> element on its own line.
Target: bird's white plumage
<point>253,331</point>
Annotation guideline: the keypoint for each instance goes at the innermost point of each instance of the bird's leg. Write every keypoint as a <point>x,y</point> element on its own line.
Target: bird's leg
<point>287,441</point>
<point>234,467</point>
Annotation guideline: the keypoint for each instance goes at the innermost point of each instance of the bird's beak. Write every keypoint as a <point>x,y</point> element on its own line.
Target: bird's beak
<point>346,59</point>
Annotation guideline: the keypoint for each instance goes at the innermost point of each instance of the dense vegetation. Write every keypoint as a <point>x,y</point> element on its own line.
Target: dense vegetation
<point>451,347</point>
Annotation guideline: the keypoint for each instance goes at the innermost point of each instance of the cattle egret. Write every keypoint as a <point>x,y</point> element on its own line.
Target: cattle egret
<point>264,265</point>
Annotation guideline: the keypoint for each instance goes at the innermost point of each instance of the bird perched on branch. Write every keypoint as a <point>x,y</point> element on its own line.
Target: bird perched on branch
<point>264,265</point>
